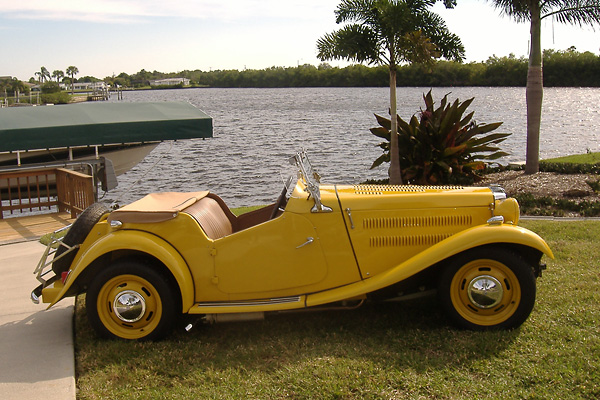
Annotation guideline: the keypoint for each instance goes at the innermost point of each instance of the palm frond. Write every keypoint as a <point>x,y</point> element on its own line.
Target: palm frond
<point>354,42</point>
<point>516,9</point>
<point>573,12</point>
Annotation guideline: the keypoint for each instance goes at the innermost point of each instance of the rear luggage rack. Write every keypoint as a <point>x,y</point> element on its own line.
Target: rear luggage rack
<point>44,267</point>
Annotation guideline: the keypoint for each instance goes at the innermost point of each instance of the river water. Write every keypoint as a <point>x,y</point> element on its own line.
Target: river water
<point>255,130</point>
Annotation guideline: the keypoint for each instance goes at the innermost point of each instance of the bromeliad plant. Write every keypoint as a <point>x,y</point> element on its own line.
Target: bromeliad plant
<point>441,146</point>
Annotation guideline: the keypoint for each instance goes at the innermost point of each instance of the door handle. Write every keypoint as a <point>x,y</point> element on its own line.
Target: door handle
<point>350,217</point>
<point>309,240</point>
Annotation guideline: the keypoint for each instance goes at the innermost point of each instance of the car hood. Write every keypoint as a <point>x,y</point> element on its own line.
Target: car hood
<point>380,197</point>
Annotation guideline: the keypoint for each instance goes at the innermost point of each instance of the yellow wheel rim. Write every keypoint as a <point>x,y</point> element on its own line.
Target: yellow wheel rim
<point>485,292</point>
<point>129,306</point>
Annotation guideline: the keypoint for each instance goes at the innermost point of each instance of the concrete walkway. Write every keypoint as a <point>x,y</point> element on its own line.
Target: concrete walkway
<point>37,357</point>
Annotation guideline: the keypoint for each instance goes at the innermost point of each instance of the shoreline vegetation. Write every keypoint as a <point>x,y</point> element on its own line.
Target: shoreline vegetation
<point>562,68</point>
<point>568,68</point>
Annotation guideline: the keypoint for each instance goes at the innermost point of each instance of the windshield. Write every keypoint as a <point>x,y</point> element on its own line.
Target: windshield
<point>310,178</point>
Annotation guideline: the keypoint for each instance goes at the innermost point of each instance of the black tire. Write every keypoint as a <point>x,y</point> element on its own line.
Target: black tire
<point>77,234</point>
<point>148,308</point>
<point>487,288</point>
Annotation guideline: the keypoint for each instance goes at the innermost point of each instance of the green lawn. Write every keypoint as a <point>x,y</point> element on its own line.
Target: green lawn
<point>588,158</point>
<point>380,351</point>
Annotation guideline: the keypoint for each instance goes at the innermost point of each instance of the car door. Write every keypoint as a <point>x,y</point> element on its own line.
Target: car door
<point>278,258</point>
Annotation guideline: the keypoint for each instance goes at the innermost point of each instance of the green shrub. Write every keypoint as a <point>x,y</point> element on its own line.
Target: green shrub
<point>595,185</point>
<point>56,98</point>
<point>547,206</point>
<point>569,168</point>
<point>50,87</point>
<point>442,145</point>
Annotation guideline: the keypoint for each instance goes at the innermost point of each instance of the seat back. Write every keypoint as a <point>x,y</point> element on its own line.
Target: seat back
<point>211,217</point>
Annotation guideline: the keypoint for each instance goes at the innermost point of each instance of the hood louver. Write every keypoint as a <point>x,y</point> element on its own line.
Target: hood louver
<point>407,241</point>
<point>421,222</point>
<point>384,189</point>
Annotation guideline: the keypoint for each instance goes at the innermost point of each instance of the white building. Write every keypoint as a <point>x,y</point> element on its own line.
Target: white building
<point>85,86</point>
<point>170,82</point>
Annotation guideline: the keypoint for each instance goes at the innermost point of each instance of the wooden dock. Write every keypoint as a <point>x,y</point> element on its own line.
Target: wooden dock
<point>32,227</point>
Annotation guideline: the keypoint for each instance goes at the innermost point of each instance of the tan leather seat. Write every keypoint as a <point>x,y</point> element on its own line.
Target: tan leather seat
<point>211,217</point>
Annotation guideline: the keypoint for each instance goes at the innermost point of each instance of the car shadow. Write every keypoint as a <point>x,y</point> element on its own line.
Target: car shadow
<point>37,347</point>
<point>411,334</point>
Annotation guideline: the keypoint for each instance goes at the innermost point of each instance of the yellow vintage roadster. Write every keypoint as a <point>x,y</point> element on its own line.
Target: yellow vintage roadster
<point>147,263</point>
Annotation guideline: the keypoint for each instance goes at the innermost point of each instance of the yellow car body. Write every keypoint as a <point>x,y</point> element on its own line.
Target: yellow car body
<point>319,244</point>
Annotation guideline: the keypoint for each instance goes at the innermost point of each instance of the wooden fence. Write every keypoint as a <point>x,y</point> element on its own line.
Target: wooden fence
<point>52,189</point>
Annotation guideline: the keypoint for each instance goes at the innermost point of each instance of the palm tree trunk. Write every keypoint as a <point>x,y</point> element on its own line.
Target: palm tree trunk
<point>394,171</point>
<point>534,94</point>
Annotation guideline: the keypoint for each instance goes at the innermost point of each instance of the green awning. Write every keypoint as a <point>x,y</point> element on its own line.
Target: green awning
<point>99,123</point>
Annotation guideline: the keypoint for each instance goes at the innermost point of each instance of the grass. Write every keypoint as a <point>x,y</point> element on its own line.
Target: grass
<point>588,158</point>
<point>380,351</point>
<point>242,210</point>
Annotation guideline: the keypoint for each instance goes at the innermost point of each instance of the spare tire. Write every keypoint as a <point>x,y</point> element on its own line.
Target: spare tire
<point>76,235</point>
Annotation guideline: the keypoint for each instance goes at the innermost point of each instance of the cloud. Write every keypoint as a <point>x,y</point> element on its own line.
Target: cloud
<point>128,11</point>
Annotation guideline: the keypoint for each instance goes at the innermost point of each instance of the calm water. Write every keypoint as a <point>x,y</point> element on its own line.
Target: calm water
<point>255,130</point>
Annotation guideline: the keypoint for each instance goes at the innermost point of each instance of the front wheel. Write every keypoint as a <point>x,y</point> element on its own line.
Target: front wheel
<point>130,300</point>
<point>487,288</point>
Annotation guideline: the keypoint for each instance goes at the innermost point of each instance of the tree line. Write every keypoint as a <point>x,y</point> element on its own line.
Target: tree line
<point>561,68</point>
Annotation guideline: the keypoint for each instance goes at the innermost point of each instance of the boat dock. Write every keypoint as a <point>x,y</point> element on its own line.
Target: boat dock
<point>32,227</point>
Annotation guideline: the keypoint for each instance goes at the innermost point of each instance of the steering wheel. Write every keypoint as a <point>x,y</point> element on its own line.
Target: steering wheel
<point>282,199</point>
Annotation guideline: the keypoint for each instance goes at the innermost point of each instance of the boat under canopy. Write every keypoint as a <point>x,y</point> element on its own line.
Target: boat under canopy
<point>99,124</point>
<point>109,138</point>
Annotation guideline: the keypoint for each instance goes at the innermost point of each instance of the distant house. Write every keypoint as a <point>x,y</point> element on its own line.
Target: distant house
<point>170,82</point>
<point>85,86</point>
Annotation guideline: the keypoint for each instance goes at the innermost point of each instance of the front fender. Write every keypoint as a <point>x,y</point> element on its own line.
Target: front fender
<point>137,241</point>
<point>470,238</point>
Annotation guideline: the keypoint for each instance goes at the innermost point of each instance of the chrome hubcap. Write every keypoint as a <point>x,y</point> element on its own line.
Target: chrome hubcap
<point>485,291</point>
<point>129,306</point>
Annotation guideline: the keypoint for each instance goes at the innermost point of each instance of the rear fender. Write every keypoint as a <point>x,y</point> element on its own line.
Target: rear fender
<point>474,237</point>
<point>132,241</point>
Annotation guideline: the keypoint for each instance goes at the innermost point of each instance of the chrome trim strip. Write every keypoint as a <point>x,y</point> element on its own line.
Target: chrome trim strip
<point>252,303</point>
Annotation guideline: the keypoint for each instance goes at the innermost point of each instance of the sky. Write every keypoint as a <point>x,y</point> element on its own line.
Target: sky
<point>106,37</point>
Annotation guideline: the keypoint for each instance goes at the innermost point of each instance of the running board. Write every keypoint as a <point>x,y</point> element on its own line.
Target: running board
<point>276,304</point>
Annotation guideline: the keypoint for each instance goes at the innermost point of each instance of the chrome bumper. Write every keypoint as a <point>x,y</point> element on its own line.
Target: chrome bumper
<point>44,267</point>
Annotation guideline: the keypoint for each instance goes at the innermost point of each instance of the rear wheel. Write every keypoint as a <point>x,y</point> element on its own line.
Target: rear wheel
<point>488,288</point>
<point>130,300</point>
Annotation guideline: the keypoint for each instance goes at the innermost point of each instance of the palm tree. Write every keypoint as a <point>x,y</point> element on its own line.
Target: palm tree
<point>579,12</point>
<point>43,74</point>
<point>72,71</point>
<point>390,32</point>
<point>58,75</point>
